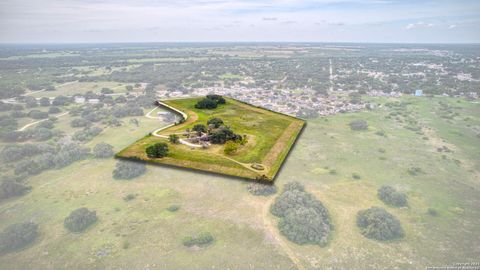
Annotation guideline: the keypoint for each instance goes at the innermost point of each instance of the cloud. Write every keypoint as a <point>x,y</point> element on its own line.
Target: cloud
<point>419,25</point>
<point>269,18</point>
<point>451,26</point>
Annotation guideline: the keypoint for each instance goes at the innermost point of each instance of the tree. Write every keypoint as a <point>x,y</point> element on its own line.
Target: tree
<point>157,150</point>
<point>259,189</point>
<point>31,102</point>
<point>46,124</point>
<point>128,169</point>
<point>222,135</point>
<point>10,188</point>
<point>230,147</point>
<point>304,219</point>
<point>358,125</point>
<point>216,122</point>
<point>376,223</point>
<point>80,219</point>
<point>206,103</point>
<point>17,236</point>
<point>53,110</point>
<point>44,101</point>
<point>129,88</point>
<point>103,150</point>
<point>173,138</point>
<point>390,196</point>
<point>199,128</point>
<point>217,98</point>
<point>203,239</point>
<point>106,90</point>
<point>36,114</point>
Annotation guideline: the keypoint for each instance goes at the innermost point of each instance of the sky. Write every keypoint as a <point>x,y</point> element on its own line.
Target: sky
<point>103,21</point>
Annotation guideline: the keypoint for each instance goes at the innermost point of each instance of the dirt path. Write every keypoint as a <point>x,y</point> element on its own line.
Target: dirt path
<point>272,229</point>
<point>39,121</point>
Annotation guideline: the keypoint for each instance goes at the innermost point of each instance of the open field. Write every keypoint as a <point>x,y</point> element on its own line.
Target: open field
<point>270,137</point>
<point>72,88</point>
<point>244,237</point>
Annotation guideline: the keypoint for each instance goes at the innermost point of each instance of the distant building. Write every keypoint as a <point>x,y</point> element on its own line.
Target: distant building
<point>79,100</point>
<point>93,101</point>
<point>418,93</point>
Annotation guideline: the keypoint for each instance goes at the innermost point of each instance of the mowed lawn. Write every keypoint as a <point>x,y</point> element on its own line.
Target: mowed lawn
<point>270,137</point>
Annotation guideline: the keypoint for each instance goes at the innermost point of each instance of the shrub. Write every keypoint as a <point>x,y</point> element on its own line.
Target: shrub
<point>392,197</point>
<point>36,114</point>
<point>54,110</point>
<point>414,171</point>
<point>103,150</point>
<point>17,236</point>
<point>259,189</point>
<point>173,208</point>
<point>217,98</point>
<point>230,147</point>
<point>48,124</point>
<point>129,197</point>
<point>203,239</point>
<point>80,219</point>
<point>432,212</point>
<point>79,122</point>
<point>173,138</point>
<point>10,188</point>
<point>304,219</point>
<point>358,125</point>
<point>206,103</point>
<point>199,128</point>
<point>376,223</point>
<point>128,169</point>
<point>157,150</point>
<point>356,176</point>
<point>216,122</point>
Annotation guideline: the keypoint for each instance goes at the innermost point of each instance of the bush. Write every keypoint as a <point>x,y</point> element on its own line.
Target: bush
<point>413,171</point>
<point>128,169</point>
<point>230,147</point>
<point>203,239</point>
<point>259,189</point>
<point>206,103</point>
<point>376,223</point>
<point>216,122</point>
<point>173,138</point>
<point>80,122</point>
<point>304,219</point>
<point>103,150</point>
<point>48,124</point>
<point>157,150</point>
<point>392,197</point>
<point>358,125</point>
<point>44,102</point>
<point>36,114</point>
<point>54,110</point>
<point>17,236</point>
<point>356,176</point>
<point>129,197</point>
<point>10,188</point>
<point>80,219</point>
<point>432,212</point>
<point>217,98</point>
<point>173,208</point>
<point>199,128</point>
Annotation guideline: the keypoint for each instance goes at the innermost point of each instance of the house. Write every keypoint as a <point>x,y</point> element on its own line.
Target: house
<point>418,93</point>
<point>79,100</point>
<point>94,101</point>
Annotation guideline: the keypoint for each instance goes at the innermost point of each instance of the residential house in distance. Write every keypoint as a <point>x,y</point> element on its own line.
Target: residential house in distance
<point>418,93</point>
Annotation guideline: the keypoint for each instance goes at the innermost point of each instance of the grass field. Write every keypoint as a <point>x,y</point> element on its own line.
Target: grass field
<point>270,137</point>
<point>324,159</point>
<point>72,88</point>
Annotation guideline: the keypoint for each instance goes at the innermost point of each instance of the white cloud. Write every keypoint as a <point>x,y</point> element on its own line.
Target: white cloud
<point>419,25</point>
<point>451,26</point>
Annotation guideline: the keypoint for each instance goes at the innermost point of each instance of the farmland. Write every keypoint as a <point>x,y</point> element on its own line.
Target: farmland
<point>270,137</point>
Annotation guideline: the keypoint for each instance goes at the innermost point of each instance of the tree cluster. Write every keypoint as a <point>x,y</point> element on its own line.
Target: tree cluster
<point>157,150</point>
<point>358,125</point>
<point>390,196</point>
<point>80,219</point>
<point>103,150</point>
<point>259,189</point>
<point>17,236</point>
<point>210,102</point>
<point>304,219</point>
<point>203,239</point>
<point>376,223</point>
<point>128,169</point>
